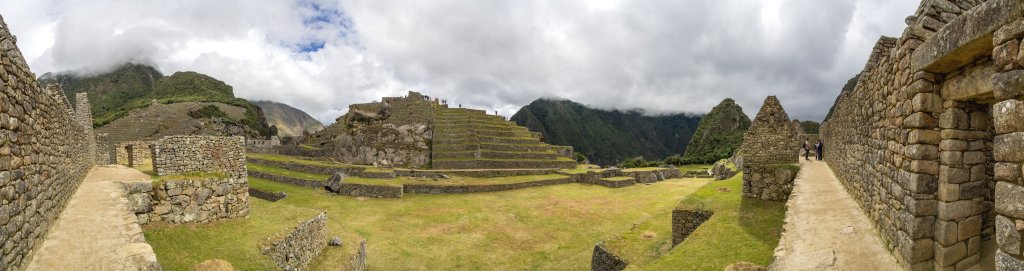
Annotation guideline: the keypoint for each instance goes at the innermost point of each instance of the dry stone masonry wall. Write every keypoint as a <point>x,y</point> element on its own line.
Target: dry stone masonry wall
<point>42,160</point>
<point>296,248</point>
<point>189,200</point>
<point>132,153</point>
<point>174,155</point>
<point>930,140</point>
<point>768,146</point>
<point>684,222</point>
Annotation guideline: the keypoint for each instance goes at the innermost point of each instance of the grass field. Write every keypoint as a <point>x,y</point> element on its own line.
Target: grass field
<point>452,180</point>
<point>541,228</point>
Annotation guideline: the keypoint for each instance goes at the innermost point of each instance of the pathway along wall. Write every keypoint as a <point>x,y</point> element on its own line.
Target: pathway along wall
<point>914,142</point>
<point>42,158</point>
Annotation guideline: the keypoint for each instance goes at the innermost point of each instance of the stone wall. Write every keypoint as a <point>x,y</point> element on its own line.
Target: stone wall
<point>370,191</point>
<point>684,222</point>
<point>132,153</point>
<point>393,132</point>
<point>42,159</point>
<point>914,142</point>
<point>189,200</point>
<point>307,167</point>
<point>262,145</point>
<point>604,260</point>
<point>104,150</point>
<point>465,189</point>
<point>771,138</point>
<point>286,179</point>
<point>174,155</point>
<point>295,248</point>
<point>769,182</point>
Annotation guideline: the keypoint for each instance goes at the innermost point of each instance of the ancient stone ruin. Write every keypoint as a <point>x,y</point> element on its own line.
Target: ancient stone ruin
<point>768,149</point>
<point>931,140</point>
<point>414,132</point>
<point>46,149</point>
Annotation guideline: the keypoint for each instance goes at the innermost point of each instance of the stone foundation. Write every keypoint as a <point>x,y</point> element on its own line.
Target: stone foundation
<point>769,182</point>
<point>370,191</point>
<point>684,222</point>
<point>200,154</point>
<point>603,260</point>
<point>297,247</point>
<point>286,179</point>
<point>189,200</point>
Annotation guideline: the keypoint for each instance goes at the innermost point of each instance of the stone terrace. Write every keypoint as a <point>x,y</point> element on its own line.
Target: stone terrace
<point>471,139</point>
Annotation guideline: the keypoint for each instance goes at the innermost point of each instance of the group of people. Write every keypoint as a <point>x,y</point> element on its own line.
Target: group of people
<point>818,147</point>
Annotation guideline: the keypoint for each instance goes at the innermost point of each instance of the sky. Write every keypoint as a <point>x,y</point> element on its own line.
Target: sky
<point>659,56</point>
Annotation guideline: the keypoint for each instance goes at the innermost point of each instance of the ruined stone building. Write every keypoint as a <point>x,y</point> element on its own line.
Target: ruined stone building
<point>931,140</point>
<point>769,147</point>
<point>415,132</point>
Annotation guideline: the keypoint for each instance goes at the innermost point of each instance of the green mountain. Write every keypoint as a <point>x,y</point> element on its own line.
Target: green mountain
<point>810,127</point>
<point>133,88</point>
<point>719,134</point>
<point>290,121</point>
<point>607,137</point>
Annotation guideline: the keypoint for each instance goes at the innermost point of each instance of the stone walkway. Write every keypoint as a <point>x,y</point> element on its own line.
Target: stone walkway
<point>97,230</point>
<point>825,229</point>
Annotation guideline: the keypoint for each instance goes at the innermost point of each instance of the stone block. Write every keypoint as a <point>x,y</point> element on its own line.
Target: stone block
<point>973,245</point>
<point>947,256</point>
<point>1007,235</point>
<point>968,228</point>
<point>921,86</point>
<point>921,183</point>
<point>1006,262</point>
<point>924,166</point>
<point>1008,32</point>
<point>920,120</point>
<point>973,189</point>
<point>1008,116</point>
<point>974,158</point>
<point>979,173</point>
<point>921,207</point>
<point>954,175</point>
<point>946,232</point>
<point>954,210</point>
<point>930,137</point>
<point>948,192</point>
<point>1009,199</point>
<point>927,102</point>
<point>973,83</point>
<point>1009,147</point>
<point>1008,85</point>
<point>968,262</point>
<point>965,38</point>
<point>953,145</point>
<point>952,158</point>
<point>922,152</point>
<point>1006,53</point>
<point>954,118</point>
<point>1007,172</point>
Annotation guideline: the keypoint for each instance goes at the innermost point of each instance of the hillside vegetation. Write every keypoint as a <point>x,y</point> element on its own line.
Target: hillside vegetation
<point>608,137</point>
<point>114,94</point>
<point>290,121</point>
<point>719,134</point>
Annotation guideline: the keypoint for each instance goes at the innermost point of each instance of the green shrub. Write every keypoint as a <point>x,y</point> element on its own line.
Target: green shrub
<point>208,112</point>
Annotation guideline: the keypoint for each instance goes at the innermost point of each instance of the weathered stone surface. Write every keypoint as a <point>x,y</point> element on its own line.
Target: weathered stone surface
<point>1008,85</point>
<point>297,247</point>
<point>1006,262</point>
<point>769,139</point>
<point>920,120</point>
<point>1007,32</point>
<point>684,222</point>
<point>1009,199</point>
<point>965,38</point>
<point>1007,172</point>
<point>954,210</point>
<point>945,256</point>
<point>1008,116</point>
<point>1009,147</point>
<point>334,183</point>
<point>1007,235</point>
<point>973,83</point>
<point>174,155</point>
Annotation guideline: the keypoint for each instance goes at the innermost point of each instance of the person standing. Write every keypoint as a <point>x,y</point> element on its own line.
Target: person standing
<point>819,148</point>
<point>807,150</point>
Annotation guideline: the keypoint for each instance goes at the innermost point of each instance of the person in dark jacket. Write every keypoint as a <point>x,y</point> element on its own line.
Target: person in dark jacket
<point>819,148</point>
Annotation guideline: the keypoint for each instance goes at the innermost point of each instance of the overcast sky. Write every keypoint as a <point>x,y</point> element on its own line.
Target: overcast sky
<point>662,56</point>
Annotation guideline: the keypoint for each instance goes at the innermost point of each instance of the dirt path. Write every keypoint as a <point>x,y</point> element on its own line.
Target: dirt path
<point>826,230</point>
<point>97,230</point>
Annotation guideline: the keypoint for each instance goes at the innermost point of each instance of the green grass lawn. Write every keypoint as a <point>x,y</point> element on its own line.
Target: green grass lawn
<point>287,173</point>
<point>694,167</point>
<point>541,228</point>
<point>742,229</point>
<point>453,180</point>
<point>300,160</point>
<point>181,247</point>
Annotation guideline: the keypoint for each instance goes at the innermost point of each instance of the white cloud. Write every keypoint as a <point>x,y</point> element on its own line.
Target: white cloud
<point>662,56</point>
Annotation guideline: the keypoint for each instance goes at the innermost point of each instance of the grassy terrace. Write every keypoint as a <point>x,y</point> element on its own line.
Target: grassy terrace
<point>741,229</point>
<point>542,228</point>
<point>454,180</point>
<point>301,160</point>
<point>237,240</point>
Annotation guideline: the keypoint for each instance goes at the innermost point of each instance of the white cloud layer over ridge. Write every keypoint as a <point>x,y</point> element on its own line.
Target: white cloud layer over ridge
<point>662,56</point>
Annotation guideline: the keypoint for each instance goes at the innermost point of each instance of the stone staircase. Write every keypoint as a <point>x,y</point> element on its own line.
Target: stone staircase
<point>471,139</point>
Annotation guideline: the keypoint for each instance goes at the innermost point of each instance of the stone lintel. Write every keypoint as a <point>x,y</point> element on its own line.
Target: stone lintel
<point>972,85</point>
<point>966,38</point>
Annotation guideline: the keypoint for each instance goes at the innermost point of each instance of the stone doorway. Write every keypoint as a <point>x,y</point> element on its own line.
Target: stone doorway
<point>131,157</point>
<point>965,187</point>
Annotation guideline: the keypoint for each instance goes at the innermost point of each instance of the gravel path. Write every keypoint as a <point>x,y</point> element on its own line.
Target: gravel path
<point>97,230</point>
<point>826,230</point>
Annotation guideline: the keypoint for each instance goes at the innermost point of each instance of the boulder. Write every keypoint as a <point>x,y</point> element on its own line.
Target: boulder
<point>334,183</point>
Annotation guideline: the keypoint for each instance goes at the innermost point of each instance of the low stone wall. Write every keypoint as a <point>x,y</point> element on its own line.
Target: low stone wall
<point>489,164</point>
<point>191,154</point>
<point>189,200</point>
<point>684,222</point>
<point>465,189</point>
<point>490,173</point>
<point>604,260</point>
<point>769,182</point>
<point>370,191</point>
<point>286,179</point>
<point>133,152</point>
<point>358,261</point>
<point>307,168</point>
<point>376,174</point>
<point>295,248</point>
<point>722,171</point>
<point>650,176</point>
<point>614,183</point>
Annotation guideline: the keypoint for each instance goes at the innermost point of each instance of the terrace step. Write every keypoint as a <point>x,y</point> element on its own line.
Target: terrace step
<point>501,163</point>
<point>494,155</point>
